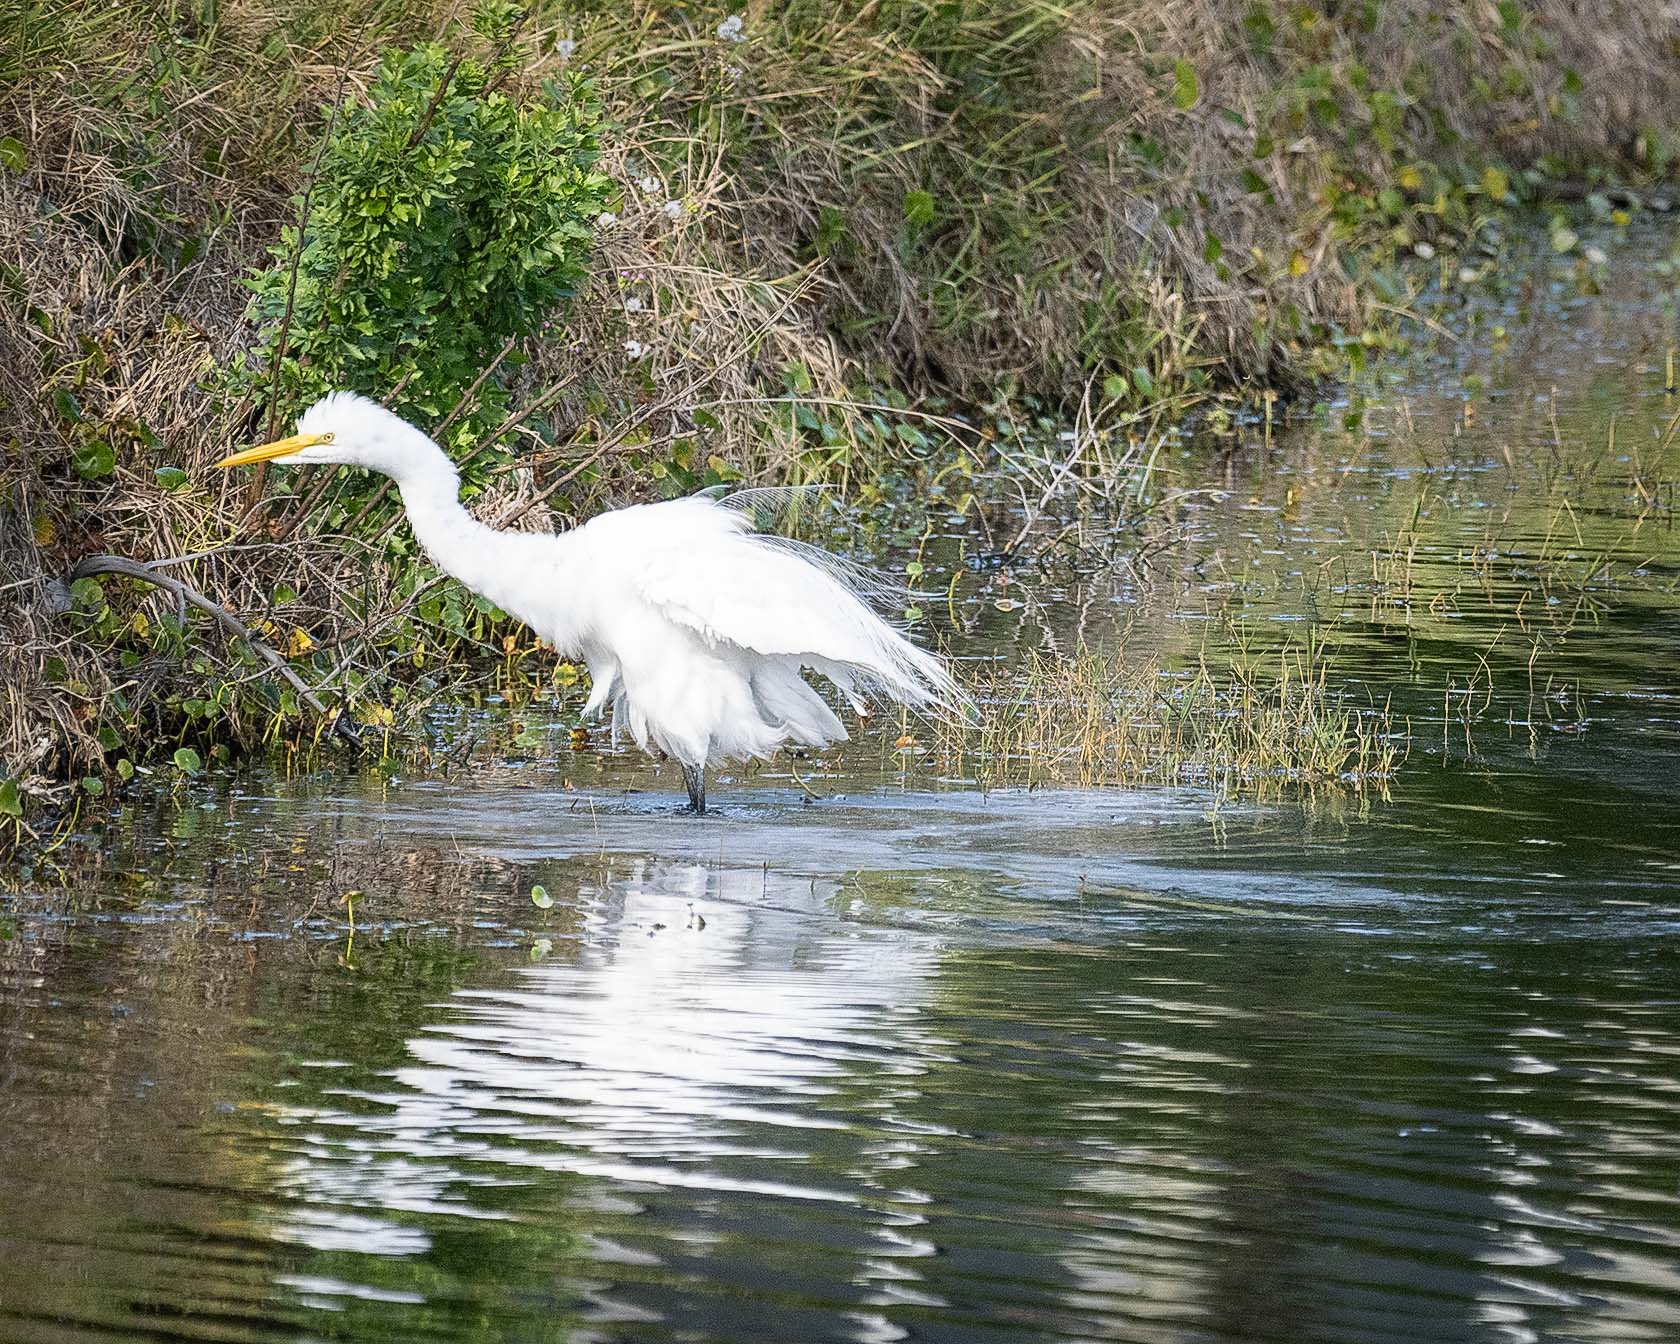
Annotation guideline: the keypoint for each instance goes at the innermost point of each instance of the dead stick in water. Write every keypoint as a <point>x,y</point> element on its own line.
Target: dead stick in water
<point>90,565</point>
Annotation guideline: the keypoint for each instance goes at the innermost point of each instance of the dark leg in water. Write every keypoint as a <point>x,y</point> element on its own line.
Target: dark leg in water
<point>695,777</point>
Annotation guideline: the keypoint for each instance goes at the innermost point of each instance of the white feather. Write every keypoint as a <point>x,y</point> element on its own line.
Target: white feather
<point>695,627</point>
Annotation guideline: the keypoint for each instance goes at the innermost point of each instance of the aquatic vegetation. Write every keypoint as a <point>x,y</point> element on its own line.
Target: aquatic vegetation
<point>1098,717</point>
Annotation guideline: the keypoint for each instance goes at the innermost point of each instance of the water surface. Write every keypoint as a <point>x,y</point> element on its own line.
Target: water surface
<point>302,1059</point>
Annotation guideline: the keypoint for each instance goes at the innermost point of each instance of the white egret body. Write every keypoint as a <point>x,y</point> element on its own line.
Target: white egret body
<point>694,627</point>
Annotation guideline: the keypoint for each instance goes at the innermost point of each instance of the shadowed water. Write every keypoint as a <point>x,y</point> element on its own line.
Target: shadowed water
<point>926,1062</point>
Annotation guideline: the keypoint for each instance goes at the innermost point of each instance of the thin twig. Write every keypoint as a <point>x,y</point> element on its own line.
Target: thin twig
<point>669,404</point>
<point>1412,315</point>
<point>496,57</point>
<point>254,492</point>
<point>449,78</point>
<point>471,394</point>
<point>437,99</point>
<point>950,424</point>
<point>810,793</point>
<point>133,569</point>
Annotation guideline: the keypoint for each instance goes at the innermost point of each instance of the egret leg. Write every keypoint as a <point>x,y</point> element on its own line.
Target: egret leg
<point>695,777</point>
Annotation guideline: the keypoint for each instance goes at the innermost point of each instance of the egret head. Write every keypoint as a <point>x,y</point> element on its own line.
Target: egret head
<point>347,430</point>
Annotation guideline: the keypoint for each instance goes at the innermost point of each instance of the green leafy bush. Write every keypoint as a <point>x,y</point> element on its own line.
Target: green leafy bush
<point>447,218</point>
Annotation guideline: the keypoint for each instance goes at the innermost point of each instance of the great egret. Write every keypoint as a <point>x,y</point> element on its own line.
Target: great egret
<point>695,628</point>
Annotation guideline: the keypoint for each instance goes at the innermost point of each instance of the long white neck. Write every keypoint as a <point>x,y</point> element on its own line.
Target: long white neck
<point>487,561</point>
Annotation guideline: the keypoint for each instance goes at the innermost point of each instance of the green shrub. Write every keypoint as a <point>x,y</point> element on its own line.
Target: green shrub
<point>440,226</point>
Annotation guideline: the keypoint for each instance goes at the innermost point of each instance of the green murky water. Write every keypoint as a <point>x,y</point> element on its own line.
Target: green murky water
<point>924,1063</point>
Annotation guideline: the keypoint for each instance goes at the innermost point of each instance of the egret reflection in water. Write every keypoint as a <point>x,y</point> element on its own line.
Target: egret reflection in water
<point>691,1041</point>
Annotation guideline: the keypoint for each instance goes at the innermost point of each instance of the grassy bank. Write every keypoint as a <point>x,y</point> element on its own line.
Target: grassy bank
<point>822,224</point>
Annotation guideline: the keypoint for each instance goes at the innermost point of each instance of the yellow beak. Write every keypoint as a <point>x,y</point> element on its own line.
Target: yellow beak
<point>267,452</point>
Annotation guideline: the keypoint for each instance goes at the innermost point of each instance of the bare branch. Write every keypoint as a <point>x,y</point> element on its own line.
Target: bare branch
<point>90,565</point>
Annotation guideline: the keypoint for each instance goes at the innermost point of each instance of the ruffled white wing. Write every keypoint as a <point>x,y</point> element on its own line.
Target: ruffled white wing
<point>704,569</point>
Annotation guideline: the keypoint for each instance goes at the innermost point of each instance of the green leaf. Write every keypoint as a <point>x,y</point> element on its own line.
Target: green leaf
<point>170,478</point>
<point>12,154</point>
<point>94,459</point>
<point>918,210</point>
<point>187,761</point>
<point>1186,88</point>
<point>93,786</point>
<point>796,377</point>
<point>540,898</point>
<point>11,804</point>
<point>831,229</point>
<point>1495,184</point>
<point>1143,380</point>
<point>125,769</point>
<point>1116,388</point>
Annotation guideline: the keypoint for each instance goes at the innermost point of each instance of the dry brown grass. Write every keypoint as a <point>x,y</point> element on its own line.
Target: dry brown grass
<point>1078,207</point>
<point>1101,717</point>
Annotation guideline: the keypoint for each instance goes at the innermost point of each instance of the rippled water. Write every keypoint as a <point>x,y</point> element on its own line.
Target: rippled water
<point>926,1063</point>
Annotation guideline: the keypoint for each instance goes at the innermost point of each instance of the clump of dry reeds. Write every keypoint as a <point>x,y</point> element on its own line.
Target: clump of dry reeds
<point>1096,718</point>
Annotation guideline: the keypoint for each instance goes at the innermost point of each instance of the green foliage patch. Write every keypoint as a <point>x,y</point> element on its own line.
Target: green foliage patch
<point>448,218</point>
